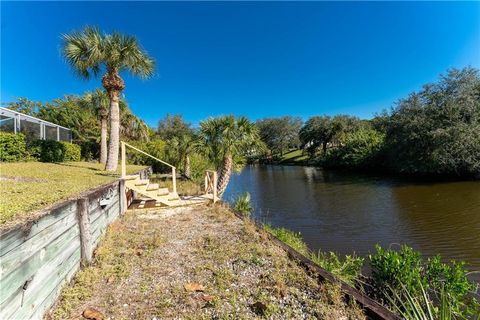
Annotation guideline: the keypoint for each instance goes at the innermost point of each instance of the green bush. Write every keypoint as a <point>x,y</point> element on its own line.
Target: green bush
<point>242,204</point>
<point>395,271</point>
<point>55,151</point>
<point>349,270</point>
<point>12,147</point>
<point>361,149</point>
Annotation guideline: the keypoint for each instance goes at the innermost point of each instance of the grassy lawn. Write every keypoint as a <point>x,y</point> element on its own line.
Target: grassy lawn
<point>196,263</point>
<point>294,157</point>
<point>29,186</point>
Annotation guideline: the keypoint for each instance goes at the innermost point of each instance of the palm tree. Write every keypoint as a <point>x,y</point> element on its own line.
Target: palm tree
<point>132,127</point>
<point>180,149</point>
<point>223,140</point>
<point>100,101</point>
<point>88,51</point>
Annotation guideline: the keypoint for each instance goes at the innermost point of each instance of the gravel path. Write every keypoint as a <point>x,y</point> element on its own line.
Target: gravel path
<point>195,263</point>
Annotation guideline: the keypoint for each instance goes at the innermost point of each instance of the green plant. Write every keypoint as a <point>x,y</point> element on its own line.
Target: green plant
<point>55,151</point>
<point>393,270</point>
<point>242,204</point>
<point>348,270</point>
<point>293,239</point>
<point>360,149</point>
<point>412,307</point>
<point>12,147</point>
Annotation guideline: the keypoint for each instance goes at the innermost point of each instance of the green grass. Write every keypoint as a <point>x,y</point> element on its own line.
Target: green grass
<point>294,157</point>
<point>30,186</point>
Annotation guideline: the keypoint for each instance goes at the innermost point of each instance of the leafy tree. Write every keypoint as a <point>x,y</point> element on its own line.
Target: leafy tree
<point>173,127</point>
<point>280,133</point>
<point>80,114</point>
<point>224,140</point>
<point>89,50</point>
<point>360,150</point>
<point>324,130</point>
<point>437,130</point>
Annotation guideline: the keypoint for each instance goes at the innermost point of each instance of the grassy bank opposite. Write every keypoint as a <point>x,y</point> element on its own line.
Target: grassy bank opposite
<point>29,186</point>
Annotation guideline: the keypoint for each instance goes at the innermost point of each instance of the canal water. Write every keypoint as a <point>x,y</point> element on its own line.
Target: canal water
<point>348,212</point>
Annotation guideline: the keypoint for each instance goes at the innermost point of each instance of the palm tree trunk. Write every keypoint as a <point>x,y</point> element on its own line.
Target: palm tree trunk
<point>186,166</point>
<point>103,140</point>
<point>113,146</point>
<point>224,174</point>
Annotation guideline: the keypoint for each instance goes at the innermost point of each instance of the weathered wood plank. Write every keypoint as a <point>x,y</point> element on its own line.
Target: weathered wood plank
<point>102,217</point>
<point>17,256</point>
<point>24,273</point>
<point>47,277</point>
<point>85,235</point>
<point>52,297</point>
<point>13,238</point>
<point>99,211</point>
<point>94,202</point>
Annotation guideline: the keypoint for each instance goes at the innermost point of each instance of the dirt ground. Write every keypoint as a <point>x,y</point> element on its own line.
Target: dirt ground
<point>196,263</point>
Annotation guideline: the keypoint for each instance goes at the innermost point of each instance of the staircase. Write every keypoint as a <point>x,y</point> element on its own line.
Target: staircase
<point>151,190</point>
<point>162,195</point>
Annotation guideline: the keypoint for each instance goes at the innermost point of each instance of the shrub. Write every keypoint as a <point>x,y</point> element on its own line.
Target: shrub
<point>155,148</point>
<point>360,149</point>
<point>242,204</point>
<point>55,151</point>
<point>395,271</point>
<point>12,147</point>
<point>349,270</point>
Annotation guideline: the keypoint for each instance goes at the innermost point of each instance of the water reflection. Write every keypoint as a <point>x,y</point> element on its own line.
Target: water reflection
<point>347,212</point>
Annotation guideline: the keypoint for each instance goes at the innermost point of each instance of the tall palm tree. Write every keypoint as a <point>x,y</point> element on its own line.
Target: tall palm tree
<point>100,101</point>
<point>224,139</point>
<point>88,51</point>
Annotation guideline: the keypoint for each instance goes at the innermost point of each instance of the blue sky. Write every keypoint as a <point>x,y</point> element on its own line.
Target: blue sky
<point>256,59</point>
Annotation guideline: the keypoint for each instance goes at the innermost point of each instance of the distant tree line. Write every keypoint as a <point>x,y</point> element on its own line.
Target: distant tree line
<point>435,131</point>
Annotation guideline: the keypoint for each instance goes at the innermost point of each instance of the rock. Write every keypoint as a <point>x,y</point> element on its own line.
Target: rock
<point>92,314</point>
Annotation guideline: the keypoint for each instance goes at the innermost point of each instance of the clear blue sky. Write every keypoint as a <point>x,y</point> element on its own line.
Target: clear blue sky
<point>256,59</point>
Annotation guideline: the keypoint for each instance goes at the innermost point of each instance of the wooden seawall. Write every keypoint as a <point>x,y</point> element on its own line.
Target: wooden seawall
<point>38,259</point>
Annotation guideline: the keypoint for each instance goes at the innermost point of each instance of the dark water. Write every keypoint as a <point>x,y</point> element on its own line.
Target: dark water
<point>346,213</point>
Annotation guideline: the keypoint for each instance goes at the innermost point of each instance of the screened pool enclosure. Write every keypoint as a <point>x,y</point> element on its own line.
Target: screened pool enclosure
<point>31,127</point>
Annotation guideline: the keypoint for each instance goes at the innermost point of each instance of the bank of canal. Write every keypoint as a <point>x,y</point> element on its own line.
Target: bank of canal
<point>350,212</point>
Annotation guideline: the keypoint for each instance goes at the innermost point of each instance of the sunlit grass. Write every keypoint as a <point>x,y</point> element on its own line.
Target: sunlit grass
<point>30,186</point>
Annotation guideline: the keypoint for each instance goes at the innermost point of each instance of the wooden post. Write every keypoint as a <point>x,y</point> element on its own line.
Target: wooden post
<point>174,177</point>
<point>215,178</point>
<point>206,182</point>
<point>123,196</point>
<point>85,235</point>
<point>124,165</point>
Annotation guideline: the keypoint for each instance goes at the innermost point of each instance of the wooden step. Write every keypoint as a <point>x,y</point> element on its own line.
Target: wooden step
<point>163,192</point>
<point>132,177</point>
<point>152,186</point>
<point>142,182</point>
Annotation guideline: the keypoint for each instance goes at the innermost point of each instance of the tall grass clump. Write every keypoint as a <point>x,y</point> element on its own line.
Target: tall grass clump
<point>348,269</point>
<point>293,239</point>
<point>243,205</point>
